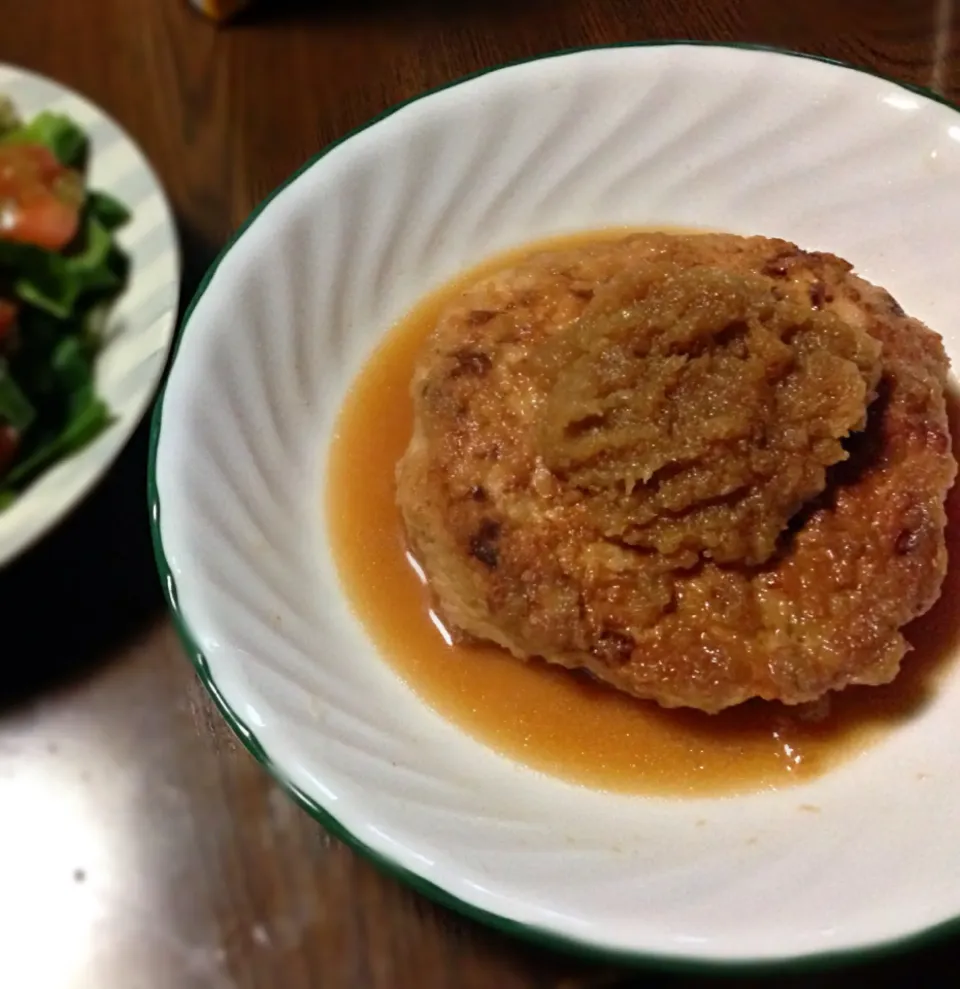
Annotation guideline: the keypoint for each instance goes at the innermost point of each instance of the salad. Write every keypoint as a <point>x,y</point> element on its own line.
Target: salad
<point>60,269</point>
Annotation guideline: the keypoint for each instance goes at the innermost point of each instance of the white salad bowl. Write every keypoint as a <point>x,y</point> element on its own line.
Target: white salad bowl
<point>737,139</point>
<point>140,327</point>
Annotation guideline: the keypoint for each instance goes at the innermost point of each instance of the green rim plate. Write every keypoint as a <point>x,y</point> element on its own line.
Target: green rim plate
<point>246,735</point>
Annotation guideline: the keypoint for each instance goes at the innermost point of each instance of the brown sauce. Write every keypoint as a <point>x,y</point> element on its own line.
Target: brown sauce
<point>548,718</point>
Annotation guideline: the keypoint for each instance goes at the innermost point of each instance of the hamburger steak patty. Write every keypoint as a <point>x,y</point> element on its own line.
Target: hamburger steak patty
<point>704,468</point>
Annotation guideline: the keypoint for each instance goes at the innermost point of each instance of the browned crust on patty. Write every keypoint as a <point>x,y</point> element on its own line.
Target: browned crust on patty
<point>513,555</point>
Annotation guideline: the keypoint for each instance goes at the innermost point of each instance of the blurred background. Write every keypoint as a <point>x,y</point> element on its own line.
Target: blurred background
<point>142,848</point>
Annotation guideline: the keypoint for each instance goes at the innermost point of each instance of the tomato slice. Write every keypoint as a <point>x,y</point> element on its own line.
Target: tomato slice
<point>40,199</point>
<point>8,316</point>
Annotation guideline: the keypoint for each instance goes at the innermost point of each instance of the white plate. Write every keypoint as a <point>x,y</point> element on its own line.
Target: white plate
<point>744,140</point>
<point>140,329</point>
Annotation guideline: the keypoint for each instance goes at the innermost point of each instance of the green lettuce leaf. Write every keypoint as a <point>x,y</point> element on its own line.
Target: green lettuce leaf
<point>87,422</point>
<point>107,210</point>
<point>55,282</point>
<point>15,408</point>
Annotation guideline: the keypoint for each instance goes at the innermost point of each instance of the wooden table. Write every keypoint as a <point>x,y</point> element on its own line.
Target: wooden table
<point>140,847</point>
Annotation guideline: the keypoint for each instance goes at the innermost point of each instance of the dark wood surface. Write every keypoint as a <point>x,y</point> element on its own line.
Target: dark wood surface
<point>140,847</point>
